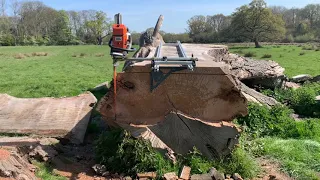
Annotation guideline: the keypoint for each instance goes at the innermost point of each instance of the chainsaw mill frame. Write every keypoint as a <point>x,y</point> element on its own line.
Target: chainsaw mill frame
<point>120,45</point>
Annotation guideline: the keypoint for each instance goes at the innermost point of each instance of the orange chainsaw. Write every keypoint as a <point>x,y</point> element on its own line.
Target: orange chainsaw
<point>120,45</point>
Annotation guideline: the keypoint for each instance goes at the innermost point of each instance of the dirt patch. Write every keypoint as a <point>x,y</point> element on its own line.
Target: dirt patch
<point>271,170</point>
<point>4,154</point>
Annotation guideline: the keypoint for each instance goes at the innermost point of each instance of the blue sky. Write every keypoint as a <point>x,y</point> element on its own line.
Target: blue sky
<point>141,14</point>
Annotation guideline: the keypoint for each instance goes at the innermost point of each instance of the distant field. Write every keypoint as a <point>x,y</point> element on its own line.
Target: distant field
<point>57,71</point>
<point>63,71</point>
<point>296,60</point>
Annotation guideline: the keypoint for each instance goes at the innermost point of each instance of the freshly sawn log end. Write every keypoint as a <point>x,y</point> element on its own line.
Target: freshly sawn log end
<point>188,109</point>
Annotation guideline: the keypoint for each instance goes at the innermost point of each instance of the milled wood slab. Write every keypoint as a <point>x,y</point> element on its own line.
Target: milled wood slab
<point>53,117</point>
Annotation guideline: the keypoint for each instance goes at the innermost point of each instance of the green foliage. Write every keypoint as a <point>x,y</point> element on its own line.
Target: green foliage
<point>239,161</point>
<point>266,56</point>
<point>255,22</point>
<point>250,54</point>
<point>305,38</point>
<point>7,40</point>
<point>100,26</point>
<point>289,39</point>
<point>121,153</point>
<point>304,103</point>
<point>307,48</point>
<point>302,100</point>
<point>302,29</point>
<point>299,158</point>
<point>46,172</point>
<point>61,34</point>
<point>198,163</point>
<point>262,121</point>
<point>135,38</point>
<point>171,37</point>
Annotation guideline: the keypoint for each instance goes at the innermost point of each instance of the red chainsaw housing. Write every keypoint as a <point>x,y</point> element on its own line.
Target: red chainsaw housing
<point>119,36</point>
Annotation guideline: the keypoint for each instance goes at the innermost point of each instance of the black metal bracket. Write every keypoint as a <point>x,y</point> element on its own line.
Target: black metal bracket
<point>157,77</point>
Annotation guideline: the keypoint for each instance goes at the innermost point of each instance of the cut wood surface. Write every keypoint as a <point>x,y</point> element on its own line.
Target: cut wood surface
<point>54,117</point>
<point>209,97</point>
<point>15,167</point>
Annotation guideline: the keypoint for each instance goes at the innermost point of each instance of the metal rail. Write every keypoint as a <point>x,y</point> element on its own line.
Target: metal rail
<point>181,49</point>
<point>173,62</point>
<point>158,55</point>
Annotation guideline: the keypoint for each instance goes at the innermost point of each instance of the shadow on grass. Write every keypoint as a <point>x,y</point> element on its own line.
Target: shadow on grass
<point>99,94</point>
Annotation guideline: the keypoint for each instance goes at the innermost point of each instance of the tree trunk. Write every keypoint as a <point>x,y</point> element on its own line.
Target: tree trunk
<point>158,26</point>
<point>99,40</point>
<point>256,43</point>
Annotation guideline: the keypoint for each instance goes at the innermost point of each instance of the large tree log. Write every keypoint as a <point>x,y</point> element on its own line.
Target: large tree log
<point>53,117</point>
<point>150,39</point>
<point>188,105</point>
<point>265,73</point>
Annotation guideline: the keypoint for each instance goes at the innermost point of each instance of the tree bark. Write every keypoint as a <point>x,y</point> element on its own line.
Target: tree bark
<point>99,40</point>
<point>158,26</point>
<point>265,73</point>
<point>256,43</point>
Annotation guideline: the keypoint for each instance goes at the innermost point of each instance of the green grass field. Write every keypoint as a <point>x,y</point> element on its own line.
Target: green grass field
<point>299,158</point>
<point>58,74</point>
<point>71,70</point>
<point>296,60</point>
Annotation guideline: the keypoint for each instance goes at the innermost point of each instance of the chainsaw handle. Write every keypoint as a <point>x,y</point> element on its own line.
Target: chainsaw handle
<point>128,50</point>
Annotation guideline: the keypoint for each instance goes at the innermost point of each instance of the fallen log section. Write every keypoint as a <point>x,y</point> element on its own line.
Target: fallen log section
<point>54,117</point>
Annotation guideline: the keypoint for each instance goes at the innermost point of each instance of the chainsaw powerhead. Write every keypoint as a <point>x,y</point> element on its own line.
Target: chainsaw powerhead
<point>121,40</point>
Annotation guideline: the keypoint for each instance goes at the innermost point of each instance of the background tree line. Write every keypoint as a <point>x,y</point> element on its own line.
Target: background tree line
<point>257,22</point>
<point>34,23</point>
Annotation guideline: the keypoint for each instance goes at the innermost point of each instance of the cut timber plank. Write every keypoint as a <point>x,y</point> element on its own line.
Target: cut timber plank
<point>52,117</point>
